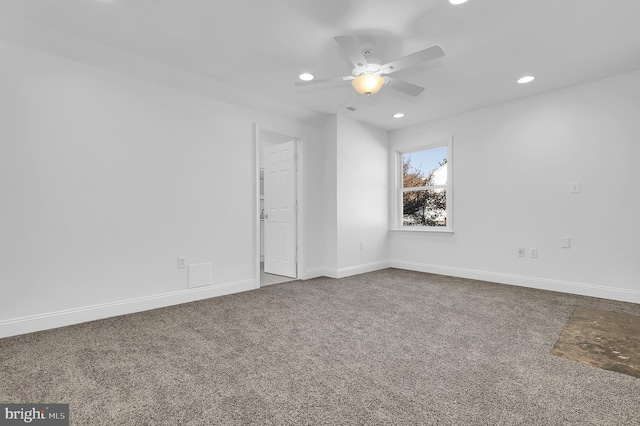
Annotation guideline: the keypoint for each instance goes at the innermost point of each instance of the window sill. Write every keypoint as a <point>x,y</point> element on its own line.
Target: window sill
<point>443,232</point>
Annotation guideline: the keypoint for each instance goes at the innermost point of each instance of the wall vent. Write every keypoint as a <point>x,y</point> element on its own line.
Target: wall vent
<point>200,274</point>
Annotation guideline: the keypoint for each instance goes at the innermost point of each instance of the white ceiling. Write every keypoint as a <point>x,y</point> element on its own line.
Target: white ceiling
<point>262,46</point>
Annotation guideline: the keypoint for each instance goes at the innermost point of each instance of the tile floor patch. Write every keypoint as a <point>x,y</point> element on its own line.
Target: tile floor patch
<point>603,339</point>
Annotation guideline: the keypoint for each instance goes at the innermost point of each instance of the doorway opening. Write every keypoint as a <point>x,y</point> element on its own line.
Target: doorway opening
<point>277,167</point>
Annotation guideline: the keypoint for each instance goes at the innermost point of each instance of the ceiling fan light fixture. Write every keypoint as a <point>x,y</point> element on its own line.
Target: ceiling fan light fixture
<point>367,84</point>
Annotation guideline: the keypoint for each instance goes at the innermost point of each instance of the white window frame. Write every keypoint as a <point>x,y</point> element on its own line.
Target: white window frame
<point>398,189</point>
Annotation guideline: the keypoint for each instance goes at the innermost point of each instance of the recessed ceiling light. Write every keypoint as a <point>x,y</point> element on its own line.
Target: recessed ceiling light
<point>526,79</point>
<point>398,115</point>
<point>305,76</point>
<point>457,1</point>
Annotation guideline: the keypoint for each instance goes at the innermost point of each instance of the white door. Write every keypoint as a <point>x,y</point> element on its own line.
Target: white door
<point>279,208</point>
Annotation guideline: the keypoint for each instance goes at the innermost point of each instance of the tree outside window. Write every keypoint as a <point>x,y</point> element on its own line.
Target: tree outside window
<point>424,188</point>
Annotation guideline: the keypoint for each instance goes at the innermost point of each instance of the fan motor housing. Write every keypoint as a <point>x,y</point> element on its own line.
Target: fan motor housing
<point>369,68</point>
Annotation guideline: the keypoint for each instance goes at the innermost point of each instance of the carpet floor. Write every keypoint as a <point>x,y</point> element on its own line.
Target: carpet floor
<point>390,347</point>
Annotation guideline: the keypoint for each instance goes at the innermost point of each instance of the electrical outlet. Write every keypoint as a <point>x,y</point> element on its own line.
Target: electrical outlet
<point>361,246</point>
<point>182,262</point>
<point>565,242</point>
<point>533,253</point>
<point>521,252</point>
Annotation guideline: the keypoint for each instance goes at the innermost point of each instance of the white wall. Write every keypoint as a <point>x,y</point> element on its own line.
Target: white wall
<point>313,201</point>
<point>362,197</point>
<point>106,179</point>
<point>329,195</point>
<point>513,165</point>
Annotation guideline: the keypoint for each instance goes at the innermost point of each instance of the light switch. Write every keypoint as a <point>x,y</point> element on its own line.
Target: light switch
<point>565,242</point>
<point>574,187</point>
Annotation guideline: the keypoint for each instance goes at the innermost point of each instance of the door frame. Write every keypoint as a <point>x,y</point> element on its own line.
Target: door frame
<point>299,251</point>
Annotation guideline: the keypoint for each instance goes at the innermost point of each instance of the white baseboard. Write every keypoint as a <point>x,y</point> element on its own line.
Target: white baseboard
<point>16,326</point>
<point>362,269</point>
<point>621,294</point>
<point>321,272</point>
<point>29,324</point>
<point>315,273</point>
<point>346,272</point>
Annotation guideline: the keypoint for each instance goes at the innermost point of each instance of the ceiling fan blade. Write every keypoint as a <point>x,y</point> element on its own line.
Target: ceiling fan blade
<point>425,55</point>
<point>350,48</point>
<point>404,87</point>
<point>323,80</point>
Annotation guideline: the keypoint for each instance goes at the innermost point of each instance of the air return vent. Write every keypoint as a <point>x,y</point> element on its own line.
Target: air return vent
<point>200,274</point>
<point>350,108</point>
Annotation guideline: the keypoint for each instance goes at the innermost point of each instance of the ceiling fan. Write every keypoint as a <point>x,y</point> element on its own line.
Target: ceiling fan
<point>368,77</point>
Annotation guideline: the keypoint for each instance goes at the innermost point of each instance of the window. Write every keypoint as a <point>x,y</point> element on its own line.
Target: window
<point>424,188</point>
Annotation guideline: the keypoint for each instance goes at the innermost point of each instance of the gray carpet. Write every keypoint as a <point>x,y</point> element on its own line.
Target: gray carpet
<point>390,347</point>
